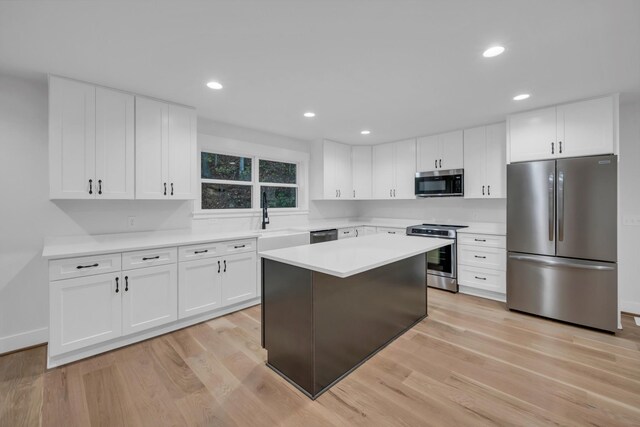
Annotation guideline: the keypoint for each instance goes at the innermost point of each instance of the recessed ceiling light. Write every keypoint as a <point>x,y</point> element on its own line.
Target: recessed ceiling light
<point>309,114</point>
<point>365,132</point>
<point>521,97</point>
<point>214,85</point>
<point>493,51</point>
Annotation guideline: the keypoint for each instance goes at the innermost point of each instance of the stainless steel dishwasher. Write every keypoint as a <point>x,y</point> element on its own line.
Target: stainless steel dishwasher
<point>320,236</point>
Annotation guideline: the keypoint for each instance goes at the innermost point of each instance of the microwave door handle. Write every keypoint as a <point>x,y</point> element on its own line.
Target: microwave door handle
<point>552,207</point>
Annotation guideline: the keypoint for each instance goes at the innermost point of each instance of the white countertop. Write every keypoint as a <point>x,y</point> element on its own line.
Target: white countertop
<point>495,228</point>
<point>64,247</point>
<point>346,257</point>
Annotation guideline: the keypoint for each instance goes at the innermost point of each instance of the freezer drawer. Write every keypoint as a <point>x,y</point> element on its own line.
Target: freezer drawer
<point>576,291</point>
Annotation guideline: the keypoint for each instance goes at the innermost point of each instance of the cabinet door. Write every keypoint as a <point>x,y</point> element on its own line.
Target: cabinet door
<point>343,171</point>
<point>239,278</point>
<point>451,150</point>
<point>329,162</point>
<point>383,171</point>
<point>586,128</point>
<point>532,134</point>
<point>84,311</point>
<point>428,150</point>
<point>150,298</point>
<point>114,144</point>
<point>152,149</point>
<point>361,171</point>
<point>496,161</point>
<point>200,286</point>
<point>405,169</point>
<point>475,161</point>
<point>183,153</point>
<point>71,139</point>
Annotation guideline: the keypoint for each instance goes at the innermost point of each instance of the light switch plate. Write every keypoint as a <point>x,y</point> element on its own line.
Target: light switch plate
<point>631,220</point>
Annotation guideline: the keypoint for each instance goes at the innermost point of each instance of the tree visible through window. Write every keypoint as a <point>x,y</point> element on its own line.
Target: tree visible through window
<point>284,195</point>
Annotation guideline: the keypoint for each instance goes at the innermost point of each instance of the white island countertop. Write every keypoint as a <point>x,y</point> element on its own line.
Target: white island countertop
<point>346,257</point>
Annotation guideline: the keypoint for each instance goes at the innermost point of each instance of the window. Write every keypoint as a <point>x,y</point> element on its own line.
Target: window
<point>238,182</point>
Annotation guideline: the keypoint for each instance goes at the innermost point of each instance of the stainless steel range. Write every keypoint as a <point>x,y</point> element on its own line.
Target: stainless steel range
<point>441,263</point>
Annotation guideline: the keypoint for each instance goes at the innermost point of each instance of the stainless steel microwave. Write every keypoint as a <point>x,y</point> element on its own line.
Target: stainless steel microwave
<point>440,183</point>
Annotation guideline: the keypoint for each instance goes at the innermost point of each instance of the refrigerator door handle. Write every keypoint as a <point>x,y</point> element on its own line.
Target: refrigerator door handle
<point>560,262</point>
<point>552,207</point>
<point>560,206</point>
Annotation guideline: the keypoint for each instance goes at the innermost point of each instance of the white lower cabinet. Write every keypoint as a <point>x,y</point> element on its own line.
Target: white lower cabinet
<point>150,298</point>
<point>482,264</point>
<point>391,230</point>
<point>483,278</point>
<point>239,278</point>
<point>200,287</point>
<point>347,232</point>
<point>84,311</point>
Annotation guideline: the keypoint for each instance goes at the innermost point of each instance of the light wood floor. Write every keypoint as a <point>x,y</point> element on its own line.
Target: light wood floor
<point>470,363</point>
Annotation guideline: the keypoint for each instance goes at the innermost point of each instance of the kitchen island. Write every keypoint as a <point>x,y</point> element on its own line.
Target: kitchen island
<point>328,307</point>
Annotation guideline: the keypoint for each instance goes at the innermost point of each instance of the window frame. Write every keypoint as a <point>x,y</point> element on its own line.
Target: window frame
<point>260,152</point>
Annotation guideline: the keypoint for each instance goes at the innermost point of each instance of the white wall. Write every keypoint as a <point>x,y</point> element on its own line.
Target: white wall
<point>629,236</point>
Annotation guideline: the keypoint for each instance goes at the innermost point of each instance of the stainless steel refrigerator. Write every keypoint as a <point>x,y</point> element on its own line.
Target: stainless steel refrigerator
<point>562,240</point>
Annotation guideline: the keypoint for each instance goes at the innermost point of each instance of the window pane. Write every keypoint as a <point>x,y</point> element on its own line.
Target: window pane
<point>280,172</point>
<point>226,196</point>
<point>219,166</point>
<point>279,197</point>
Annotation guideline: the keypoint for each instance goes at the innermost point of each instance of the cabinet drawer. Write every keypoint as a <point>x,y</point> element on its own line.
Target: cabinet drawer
<point>237,246</point>
<point>148,258</point>
<point>345,233</point>
<point>206,250</point>
<point>486,240</point>
<point>478,256</point>
<point>391,230</point>
<point>84,266</point>
<point>482,278</point>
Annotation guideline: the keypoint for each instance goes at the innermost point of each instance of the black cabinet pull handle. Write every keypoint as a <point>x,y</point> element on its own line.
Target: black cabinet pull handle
<point>80,267</point>
<point>172,188</point>
<point>151,257</point>
<point>481,257</point>
<point>435,163</point>
<point>126,283</point>
<point>441,163</point>
<point>560,146</point>
<point>480,278</point>
<point>356,232</point>
<point>480,240</point>
<point>117,285</point>
<point>218,266</point>
<point>239,246</point>
<point>165,188</point>
<point>225,266</point>
<point>201,252</point>
<point>483,190</point>
<point>552,148</point>
<point>99,186</point>
<point>488,190</point>
<point>90,186</point>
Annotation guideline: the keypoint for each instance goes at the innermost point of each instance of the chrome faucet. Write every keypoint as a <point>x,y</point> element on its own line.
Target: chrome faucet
<point>265,214</point>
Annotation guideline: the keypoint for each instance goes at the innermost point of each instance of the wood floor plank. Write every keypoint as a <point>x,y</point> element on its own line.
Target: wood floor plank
<point>471,362</point>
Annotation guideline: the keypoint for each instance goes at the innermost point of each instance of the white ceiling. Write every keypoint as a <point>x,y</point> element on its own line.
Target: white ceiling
<point>399,68</point>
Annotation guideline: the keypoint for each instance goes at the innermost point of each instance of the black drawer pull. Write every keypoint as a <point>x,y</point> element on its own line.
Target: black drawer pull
<point>239,246</point>
<point>172,188</point>
<point>479,256</point>
<point>126,283</point>
<point>80,267</point>
<point>480,240</point>
<point>225,266</point>
<point>201,252</point>
<point>218,266</point>
<point>165,188</point>
<point>99,186</point>
<point>117,285</point>
<point>90,186</point>
<point>151,257</point>
<point>480,278</point>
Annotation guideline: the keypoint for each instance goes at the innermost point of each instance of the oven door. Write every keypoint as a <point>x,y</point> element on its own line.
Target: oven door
<point>442,183</point>
<point>442,261</point>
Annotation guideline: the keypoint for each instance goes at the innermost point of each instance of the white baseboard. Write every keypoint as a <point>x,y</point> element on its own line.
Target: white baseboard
<point>482,293</point>
<point>24,340</point>
<point>630,307</point>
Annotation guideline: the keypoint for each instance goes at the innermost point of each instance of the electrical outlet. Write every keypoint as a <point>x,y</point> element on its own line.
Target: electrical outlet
<point>131,222</point>
<point>631,220</point>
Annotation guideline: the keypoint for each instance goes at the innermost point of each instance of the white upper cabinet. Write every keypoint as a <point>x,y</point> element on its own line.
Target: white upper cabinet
<point>91,141</point>
<point>166,150</point>
<point>332,161</point>
<point>485,162</point>
<point>361,158</point>
<point>578,129</point>
<point>394,169</point>
<point>444,151</point>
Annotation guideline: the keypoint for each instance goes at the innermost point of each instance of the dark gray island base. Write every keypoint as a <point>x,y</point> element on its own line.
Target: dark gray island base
<point>317,327</point>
